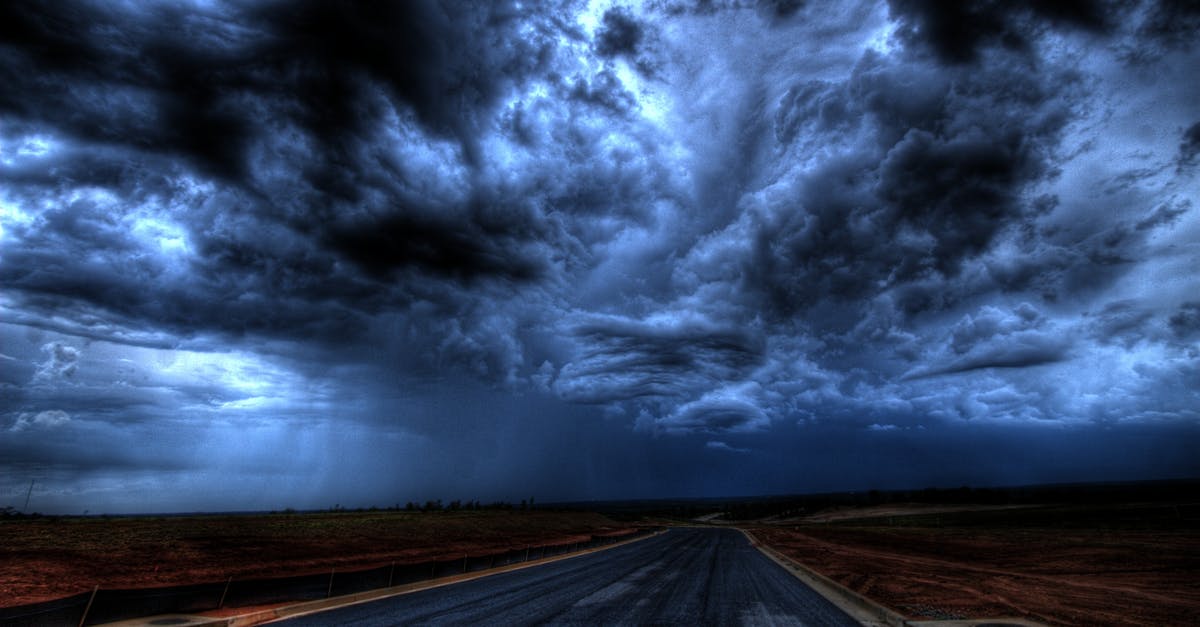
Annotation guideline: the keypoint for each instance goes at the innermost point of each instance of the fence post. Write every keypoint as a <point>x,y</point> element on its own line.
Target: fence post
<point>225,592</point>
<point>329,593</point>
<point>464,563</point>
<point>392,574</point>
<point>526,552</point>
<point>89,605</point>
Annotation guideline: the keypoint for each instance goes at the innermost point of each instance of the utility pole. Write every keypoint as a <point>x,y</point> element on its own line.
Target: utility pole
<point>27,495</point>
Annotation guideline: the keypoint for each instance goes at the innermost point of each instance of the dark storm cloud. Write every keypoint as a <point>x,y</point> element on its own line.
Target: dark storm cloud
<point>714,414</point>
<point>112,76</point>
<point>956,31</point>
<point>1189,148</point>
<point>266,226</point>
<point>956,150</point>
<point>929,203</point>
<point>620,34</point>
<point>1124,322</point>
<point>426,54</point>
<point>972,190</point>
<point>1022,351</point>
<point>206,85</point>
<point>783,8</point>
<point>279,106</point>
<point>773,9</point>
<point>626,359</point>
<point>177,81</point>
<point>114,287</point>
<point>1164,215</point>
<point>1185,323</point>
<point>1173,23</point>
<point>998,339</point>
<point>439,248</point>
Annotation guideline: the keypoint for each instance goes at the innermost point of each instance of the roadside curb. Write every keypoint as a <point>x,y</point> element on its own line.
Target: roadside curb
<point>312,607</point>
<point>859,607</point>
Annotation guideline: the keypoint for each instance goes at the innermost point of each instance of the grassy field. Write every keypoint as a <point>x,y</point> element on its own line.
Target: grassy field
<point>47,558</point>
<point>1080,564</point>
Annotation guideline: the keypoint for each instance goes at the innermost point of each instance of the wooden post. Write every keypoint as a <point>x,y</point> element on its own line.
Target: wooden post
<point>464,563</point>
<point>392,574</point>
<point>329,593</point>
<point>87,609</point>
<point>526,553</point>
<point>225,592</point>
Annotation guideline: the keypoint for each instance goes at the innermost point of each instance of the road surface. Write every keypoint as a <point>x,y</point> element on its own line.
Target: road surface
<point>696,576</point>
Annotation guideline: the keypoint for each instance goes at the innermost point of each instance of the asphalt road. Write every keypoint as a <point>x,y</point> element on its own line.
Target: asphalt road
<point>683,577</point>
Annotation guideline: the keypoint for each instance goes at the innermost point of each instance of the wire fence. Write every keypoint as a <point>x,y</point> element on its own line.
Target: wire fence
<point>103,605</point>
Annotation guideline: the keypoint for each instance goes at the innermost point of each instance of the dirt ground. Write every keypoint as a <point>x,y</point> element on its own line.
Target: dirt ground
<point>43,559</point>
<point>1071,575</point>
<point>899,509</point>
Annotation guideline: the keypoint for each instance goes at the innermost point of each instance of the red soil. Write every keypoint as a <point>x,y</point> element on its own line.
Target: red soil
<point>43,559</point>
<point>1060,577</point>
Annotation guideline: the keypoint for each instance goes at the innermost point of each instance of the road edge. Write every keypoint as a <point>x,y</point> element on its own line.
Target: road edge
<point>306,608</point>
<point>314,607</point>
<point>860,608</point>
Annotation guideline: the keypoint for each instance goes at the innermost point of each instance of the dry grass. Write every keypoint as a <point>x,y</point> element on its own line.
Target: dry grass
<point>50,558</point>
<point>1090,568</point>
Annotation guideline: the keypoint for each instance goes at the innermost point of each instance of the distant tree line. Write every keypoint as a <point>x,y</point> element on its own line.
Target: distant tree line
<point>1091,493</point>
<point>755,508</point>
<point>435,505</point>
<point>11,512</point>
<point>469,506</point>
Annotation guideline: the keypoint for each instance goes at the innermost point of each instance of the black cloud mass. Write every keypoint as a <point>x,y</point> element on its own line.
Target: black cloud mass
<point>365,252</point>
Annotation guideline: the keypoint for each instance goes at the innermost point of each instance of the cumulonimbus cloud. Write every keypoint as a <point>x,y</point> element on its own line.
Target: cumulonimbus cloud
<point>633,208</point>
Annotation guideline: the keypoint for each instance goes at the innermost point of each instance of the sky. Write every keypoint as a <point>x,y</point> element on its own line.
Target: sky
<point>258,255</point>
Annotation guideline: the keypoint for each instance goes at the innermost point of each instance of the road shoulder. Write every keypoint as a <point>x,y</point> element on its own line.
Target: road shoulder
<point>312,607</point>
<point>863,609</point>
<point>859,607</point>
